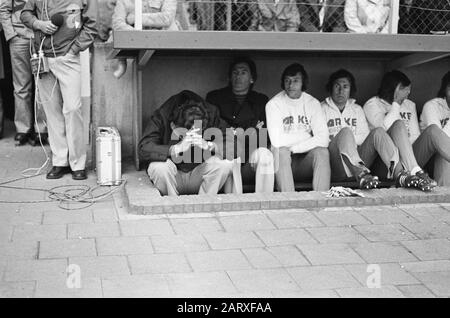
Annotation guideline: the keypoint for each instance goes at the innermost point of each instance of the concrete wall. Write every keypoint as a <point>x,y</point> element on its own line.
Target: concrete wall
<point>167,74</point>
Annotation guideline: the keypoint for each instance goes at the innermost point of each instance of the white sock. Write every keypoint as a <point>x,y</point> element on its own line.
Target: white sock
<point>415,170</point>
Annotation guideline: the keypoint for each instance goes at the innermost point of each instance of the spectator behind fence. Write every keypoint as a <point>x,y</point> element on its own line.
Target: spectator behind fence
<point>298,133</point>
<point>436,112</point>
<point>367,16</point>
<point>104,18</point>
<point>277,15</point>
<point>322,16</point>
<point>19,37</point>
<point>59,89</point>
<point>243,15</point>
<point>392,110</point>
<point>428,16</point>
<point>242,107</point>
<point>171,141</point>
<point>156,15</point>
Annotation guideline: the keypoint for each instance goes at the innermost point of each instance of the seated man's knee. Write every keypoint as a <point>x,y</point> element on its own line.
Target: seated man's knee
<point>379,132</point>
<point>223,165</point>
<point>398,124</point>
<point>321,154</point>
<point>161,169</point>
<point>282,155</point>
<point>433,129</point>
<point>263,156</point>
<point>345,132</point>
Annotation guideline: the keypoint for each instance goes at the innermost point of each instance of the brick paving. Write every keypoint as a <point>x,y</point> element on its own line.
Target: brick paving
<point>317,251</point>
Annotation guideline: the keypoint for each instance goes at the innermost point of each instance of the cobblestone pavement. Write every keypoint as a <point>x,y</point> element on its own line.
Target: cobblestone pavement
<point>103,251</point>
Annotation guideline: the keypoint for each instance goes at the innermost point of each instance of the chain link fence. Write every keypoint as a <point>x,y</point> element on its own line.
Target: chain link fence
<point>415,16</point>
<point>424,17</point>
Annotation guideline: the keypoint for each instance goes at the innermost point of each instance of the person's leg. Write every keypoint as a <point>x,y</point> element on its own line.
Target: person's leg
<point>433,140</point>
<point>163,175</point>
<point>68,71</point>
<point>378,144</point>
<point>49,97</point>
<point>212,173</point>
<point>262,160</point>
<point>441,171</point>
<point>399,135</point>
<point>314,165</point>
<point>345,160</point>
<point>283,171</point>
<point>23,84</point>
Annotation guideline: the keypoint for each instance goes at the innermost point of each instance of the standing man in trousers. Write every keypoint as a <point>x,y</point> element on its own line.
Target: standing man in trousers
<point>19,37</point>
<point>59,89</point>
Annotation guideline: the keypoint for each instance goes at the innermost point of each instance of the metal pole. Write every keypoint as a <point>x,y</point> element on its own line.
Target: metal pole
<point>228,15</point>
<point>394,16</point>
<point>138,15</point>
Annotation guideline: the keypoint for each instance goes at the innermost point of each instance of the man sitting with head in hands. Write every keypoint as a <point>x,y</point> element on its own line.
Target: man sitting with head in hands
<point>182,159</point>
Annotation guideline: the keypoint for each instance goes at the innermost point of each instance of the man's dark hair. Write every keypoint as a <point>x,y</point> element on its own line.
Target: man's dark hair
<point>190,111</point>
<point>246,60</point>
<point>293,70</point>
<point>390,82</point>
<point>342,73</point>
<point>445,82</point>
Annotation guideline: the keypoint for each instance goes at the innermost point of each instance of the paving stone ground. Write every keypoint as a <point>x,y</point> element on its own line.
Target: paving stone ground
<point>104,251</point>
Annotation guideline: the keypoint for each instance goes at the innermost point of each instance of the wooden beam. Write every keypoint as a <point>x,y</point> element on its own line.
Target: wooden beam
<point>415,59</point>
<point>112,54</point>
<point>279,41</point>
<point>144,57</point>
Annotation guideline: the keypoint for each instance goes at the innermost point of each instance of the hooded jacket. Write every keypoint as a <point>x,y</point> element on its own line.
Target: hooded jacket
<point>436,111</point>
<point>352,116</point>
<point>10,19</point>
<point>157,138</point>
<point>78,30</point>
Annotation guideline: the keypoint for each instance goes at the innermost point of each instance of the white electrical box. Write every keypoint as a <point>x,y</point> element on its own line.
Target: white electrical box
<point>108,156</point>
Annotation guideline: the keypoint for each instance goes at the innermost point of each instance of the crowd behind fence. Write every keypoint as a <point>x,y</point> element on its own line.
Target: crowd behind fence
<point>375,16</point>
<point>415,16</point>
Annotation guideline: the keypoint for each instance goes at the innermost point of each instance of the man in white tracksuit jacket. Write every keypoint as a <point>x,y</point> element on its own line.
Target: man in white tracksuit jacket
<point>436,116</point>
<point>353,147</point>
<point>298,133</point>
<point>393,111</point>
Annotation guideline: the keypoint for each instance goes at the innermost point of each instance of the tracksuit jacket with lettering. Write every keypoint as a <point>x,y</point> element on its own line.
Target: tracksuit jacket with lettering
<point>353,116</point>
<point>436,111</point>
<point>380,113</point>
<point>298,124</point>
<point>79,28</point>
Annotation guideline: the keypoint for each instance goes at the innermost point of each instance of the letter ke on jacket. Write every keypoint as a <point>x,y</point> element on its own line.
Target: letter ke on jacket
<point>298,124</point>
<point>380,113</point>
<point>352,117</point>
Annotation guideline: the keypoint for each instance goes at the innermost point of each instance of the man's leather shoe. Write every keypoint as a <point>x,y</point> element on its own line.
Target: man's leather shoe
<point>79,175</point>
<point>21,138</point>
<point>57,172</point>
<point>34,139</point>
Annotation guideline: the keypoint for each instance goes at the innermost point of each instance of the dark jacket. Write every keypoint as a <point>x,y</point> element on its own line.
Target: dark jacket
<point>245,116</point>
<point>333,20</point>
<point>77,32</point>
<point>239,117</point>
<point>157,138</point>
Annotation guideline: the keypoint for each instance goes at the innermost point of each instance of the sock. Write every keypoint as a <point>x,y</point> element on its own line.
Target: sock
<point>415,170</point>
